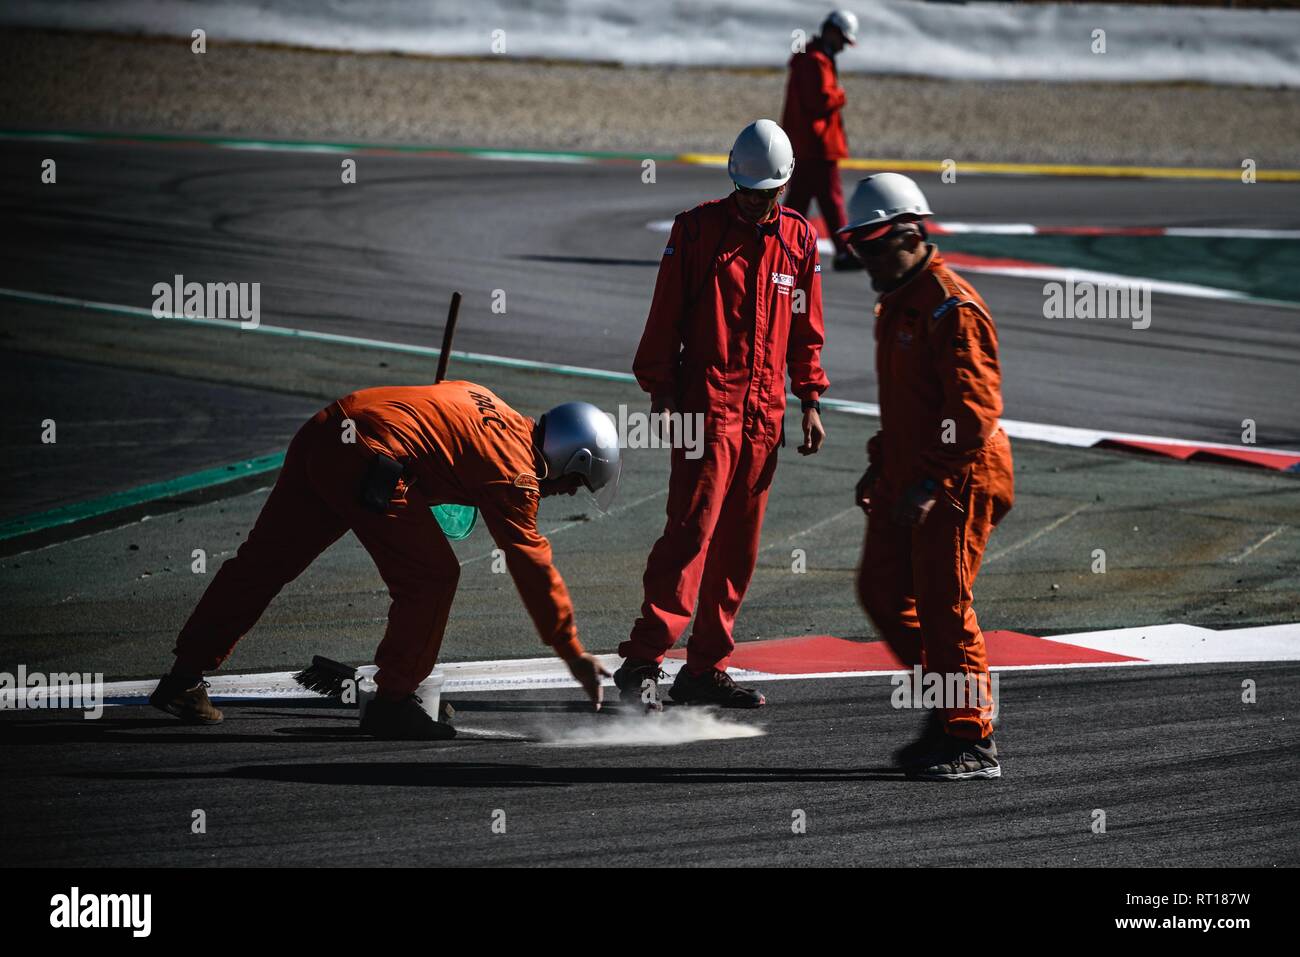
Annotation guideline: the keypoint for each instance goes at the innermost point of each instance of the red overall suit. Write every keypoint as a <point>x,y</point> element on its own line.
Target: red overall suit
<point>734,304</point>
<point>812,119</point>
<point>460,444</point>
<point>940,398</point>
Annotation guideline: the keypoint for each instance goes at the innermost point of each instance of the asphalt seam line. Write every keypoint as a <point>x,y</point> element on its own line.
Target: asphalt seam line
<point>1236,559</point>
<point>1030,539</point>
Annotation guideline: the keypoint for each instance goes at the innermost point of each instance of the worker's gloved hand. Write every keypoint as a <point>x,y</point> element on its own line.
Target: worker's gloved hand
<point>662,403</point>
<point>587,671</point>
<point>862,491</point>
<point>813,433</point>
<point>917,501</point>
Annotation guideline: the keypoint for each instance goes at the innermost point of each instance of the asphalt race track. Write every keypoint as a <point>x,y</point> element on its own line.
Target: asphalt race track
<point>568,246</point>
<point>1185,771</point>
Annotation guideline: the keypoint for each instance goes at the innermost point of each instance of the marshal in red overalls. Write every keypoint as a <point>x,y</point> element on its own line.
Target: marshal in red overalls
<point>735,304</point>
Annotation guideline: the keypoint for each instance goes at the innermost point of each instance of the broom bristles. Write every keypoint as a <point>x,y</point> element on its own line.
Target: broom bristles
<point>326,676</point>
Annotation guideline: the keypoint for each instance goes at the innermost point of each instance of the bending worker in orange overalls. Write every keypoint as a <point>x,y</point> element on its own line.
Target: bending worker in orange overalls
<point>374,462</point>
<point>738,299</point>
<point>939,476</point>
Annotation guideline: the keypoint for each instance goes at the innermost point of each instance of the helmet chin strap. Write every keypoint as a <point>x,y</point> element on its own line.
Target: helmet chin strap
<point>545,469</point>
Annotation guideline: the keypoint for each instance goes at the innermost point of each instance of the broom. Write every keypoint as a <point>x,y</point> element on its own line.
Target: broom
<point>329,677</point>
<point>326,676</point>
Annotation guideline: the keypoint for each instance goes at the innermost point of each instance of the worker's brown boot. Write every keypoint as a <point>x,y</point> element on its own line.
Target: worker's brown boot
<point>186,700</point>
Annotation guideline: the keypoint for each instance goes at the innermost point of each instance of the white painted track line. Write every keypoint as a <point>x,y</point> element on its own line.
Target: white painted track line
<point>1169,644</point>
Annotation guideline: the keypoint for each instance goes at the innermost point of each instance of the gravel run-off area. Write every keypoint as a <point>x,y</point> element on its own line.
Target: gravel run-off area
<point>74,81</point>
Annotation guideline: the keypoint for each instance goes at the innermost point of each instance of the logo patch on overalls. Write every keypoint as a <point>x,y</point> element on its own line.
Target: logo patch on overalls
<point>945,306</point>
<point>526,480</point>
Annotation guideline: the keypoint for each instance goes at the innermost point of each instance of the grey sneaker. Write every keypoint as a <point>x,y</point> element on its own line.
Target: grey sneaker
<point>960,760</point>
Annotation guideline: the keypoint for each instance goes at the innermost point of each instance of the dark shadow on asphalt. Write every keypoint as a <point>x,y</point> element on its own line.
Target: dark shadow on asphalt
<point>329,704</point>
<point>452,774</point>
<point>349,715</point>
<point>160,731</point>
<point>551,707</point>
<point>226,704</point>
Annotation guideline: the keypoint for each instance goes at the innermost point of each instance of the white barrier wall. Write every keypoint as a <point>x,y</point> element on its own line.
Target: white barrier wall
<point>950,40</point>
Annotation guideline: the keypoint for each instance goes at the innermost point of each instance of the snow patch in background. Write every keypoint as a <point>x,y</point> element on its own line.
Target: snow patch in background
<point>989,41</point>
<point>656,729</point>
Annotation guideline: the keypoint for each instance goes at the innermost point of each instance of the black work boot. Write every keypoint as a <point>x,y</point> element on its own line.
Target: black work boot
<point>403,720</point>
<point>185,698</point>
<point>713,687</point>
<point>631,678</point>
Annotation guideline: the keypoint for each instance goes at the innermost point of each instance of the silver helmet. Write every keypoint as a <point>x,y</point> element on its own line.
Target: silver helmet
<point>846,22</point>
<point>883,199</point>
<point>762,157</point>
<point>579,439</point>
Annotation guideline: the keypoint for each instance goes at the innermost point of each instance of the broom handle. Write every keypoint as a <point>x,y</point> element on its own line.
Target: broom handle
<point>447,334</point>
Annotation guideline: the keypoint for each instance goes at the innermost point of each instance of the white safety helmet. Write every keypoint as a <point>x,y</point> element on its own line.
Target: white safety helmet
<point>762,157</point>
<point>579,439</point>
<point>883,200</point>
<point>846,22</point>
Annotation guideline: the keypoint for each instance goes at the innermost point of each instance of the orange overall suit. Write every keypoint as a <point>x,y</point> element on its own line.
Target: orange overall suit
<point>459,444</point>
<point>940,398</point>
